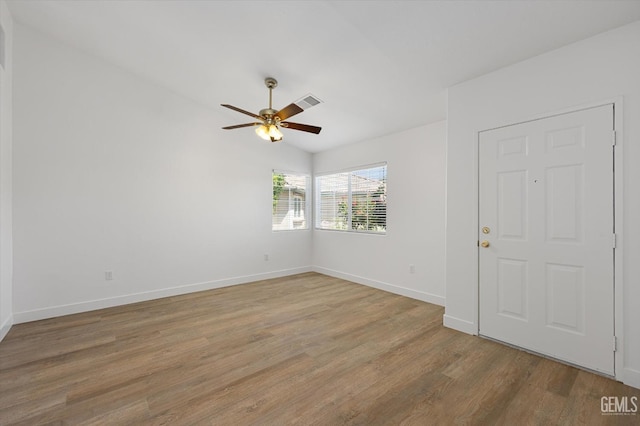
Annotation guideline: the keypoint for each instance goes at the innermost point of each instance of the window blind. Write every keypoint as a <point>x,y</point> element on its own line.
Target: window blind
<point>354,200</point>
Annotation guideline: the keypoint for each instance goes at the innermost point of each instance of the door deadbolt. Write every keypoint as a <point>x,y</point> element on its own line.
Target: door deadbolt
<point>486,230</point>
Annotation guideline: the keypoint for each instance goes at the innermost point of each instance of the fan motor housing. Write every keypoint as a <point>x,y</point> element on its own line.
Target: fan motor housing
<point>268,115</point>
<point>268,112</point>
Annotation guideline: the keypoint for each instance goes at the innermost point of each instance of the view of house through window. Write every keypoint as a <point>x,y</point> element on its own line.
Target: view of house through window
<point>289,201</point>
<point>354,200</point>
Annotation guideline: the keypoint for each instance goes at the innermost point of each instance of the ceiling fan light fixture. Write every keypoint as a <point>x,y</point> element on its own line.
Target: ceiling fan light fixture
<point>263,132</point>
<point>274,133</point>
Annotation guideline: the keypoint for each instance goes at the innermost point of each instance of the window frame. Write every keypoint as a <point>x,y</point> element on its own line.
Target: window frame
<point>317,207</point>
<point>305,205</point>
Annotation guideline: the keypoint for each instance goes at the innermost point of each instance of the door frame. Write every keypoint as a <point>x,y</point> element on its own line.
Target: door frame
<point>618,191</point>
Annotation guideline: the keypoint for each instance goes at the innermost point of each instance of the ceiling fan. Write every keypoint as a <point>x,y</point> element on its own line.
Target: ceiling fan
<point>270,120</point>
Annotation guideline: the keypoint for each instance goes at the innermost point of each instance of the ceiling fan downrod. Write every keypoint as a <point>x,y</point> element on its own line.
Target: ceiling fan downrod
<point>271,84</point>
<point>270,128</point>
<point>268,113</point>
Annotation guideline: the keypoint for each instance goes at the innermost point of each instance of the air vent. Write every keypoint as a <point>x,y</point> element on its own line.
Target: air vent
<point>308,101</point>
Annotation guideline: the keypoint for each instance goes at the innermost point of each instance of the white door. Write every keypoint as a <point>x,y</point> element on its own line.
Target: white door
<point>546,213</point>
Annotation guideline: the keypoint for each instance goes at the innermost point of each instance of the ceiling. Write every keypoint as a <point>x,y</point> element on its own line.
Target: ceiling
<point>379,66</point>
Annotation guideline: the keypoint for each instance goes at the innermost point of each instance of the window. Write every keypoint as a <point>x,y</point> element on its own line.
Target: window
<point>289,201</point>
<point>355,200</point>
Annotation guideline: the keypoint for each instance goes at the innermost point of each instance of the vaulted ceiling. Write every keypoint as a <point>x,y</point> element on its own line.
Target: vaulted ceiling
<point>379,66</point>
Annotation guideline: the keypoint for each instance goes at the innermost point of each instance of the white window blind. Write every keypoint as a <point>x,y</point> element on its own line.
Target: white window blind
<point>289,209</point>
<point>355,200</point>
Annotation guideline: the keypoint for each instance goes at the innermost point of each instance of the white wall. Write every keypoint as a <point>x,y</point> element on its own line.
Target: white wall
<point>415,224</point>
<point>113,173</point>
<point>593,70</point>
<point>6,262</point>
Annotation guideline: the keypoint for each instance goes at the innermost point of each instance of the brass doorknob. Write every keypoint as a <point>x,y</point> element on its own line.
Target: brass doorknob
<point>485,244</point>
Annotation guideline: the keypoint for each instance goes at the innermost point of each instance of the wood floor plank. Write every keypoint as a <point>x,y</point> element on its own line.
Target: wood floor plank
<point>543,397</point>
<point>238,400</point>
<point>358,397</point>
<point>306,349</point>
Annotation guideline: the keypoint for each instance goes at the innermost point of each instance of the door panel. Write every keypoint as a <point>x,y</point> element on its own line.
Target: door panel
<point>564,194</point>
<point>512,288</point>
<point>565,298</point>
<point>546,200</point>
<point>512,205</point>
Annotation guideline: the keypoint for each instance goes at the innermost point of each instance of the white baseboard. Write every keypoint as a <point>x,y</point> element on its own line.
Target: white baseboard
<point>459,324</point>
<point>92,305</point>
<point>5,327</point>
<point>402,291</point>
<point>630,377</point>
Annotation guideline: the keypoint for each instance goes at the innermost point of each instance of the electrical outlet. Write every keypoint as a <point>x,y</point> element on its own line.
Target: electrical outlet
<point>412,269</point>
<point>108,275</point>
<point>266,257</point>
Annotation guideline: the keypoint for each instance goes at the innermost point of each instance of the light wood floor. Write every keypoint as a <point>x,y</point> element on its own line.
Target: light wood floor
<point>306,349</point>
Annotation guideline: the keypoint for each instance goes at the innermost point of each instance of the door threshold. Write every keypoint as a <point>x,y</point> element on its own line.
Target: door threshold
<point>561,361</point>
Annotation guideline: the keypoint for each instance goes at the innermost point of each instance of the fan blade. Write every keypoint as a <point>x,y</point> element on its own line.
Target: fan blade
<point>237,126</point>
<point>242,111</point>
<point>289,111</point>
<point>303,127</point>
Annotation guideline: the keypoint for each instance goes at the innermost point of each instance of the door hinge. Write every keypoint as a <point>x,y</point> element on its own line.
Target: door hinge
<point>615,344</point>
<point>614,138</point>
<point>615,241</point>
